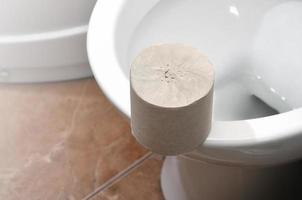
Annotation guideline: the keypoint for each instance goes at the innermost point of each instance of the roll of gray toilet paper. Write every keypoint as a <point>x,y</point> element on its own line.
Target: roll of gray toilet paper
<point>171,98</point>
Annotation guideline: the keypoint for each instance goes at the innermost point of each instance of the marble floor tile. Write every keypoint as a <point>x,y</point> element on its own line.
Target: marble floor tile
<point>141,184</point>
<point>60,141</point>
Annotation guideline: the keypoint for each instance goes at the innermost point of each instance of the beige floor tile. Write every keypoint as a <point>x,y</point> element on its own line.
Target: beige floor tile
<point>142,184</point>
<point>60,140</point>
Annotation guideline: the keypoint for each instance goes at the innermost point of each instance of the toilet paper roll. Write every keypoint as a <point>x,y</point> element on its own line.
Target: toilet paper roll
<point>171,98</point>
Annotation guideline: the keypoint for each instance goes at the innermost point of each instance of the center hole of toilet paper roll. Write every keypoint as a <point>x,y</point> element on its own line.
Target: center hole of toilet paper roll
<point>169,75</point>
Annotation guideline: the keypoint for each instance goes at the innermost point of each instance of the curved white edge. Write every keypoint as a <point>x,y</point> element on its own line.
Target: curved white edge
<point>101,46</point>
<point>266,141</point>
<point>50,35</point>
<point>270,140</point>
<point>45,74</point>
<point>170,180</point>
<point>42,57</point>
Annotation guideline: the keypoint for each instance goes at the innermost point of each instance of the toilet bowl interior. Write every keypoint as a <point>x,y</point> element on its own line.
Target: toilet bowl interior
<point>120,29</point>
<point>254,45</point>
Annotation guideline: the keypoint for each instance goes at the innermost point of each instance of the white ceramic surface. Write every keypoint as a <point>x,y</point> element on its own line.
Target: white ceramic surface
<point>277,56</point>
<point>43,40</point>
<point>185,179</point>
<point>224,30</point>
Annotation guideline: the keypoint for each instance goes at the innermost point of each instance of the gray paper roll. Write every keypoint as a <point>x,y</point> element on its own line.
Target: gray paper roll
<point>171,98</point>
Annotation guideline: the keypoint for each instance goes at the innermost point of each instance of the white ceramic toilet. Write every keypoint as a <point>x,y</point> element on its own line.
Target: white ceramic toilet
<point>254,147</point>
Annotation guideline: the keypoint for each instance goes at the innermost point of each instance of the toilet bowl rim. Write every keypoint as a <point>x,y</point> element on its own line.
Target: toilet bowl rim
<point>254,137</point>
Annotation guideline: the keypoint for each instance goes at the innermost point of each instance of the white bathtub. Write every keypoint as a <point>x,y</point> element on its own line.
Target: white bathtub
<point>43,40</point>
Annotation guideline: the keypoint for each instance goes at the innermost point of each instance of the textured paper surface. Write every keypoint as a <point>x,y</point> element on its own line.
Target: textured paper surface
<point>171,98</point>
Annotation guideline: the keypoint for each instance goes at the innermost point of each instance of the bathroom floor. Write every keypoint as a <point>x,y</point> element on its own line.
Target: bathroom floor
<point>65,141</point>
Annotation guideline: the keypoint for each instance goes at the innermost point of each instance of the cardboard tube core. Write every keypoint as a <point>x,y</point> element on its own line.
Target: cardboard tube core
<point>171,98</point>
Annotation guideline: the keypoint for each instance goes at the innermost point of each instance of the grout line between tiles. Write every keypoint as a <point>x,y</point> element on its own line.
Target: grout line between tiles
<point>120,175</point>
